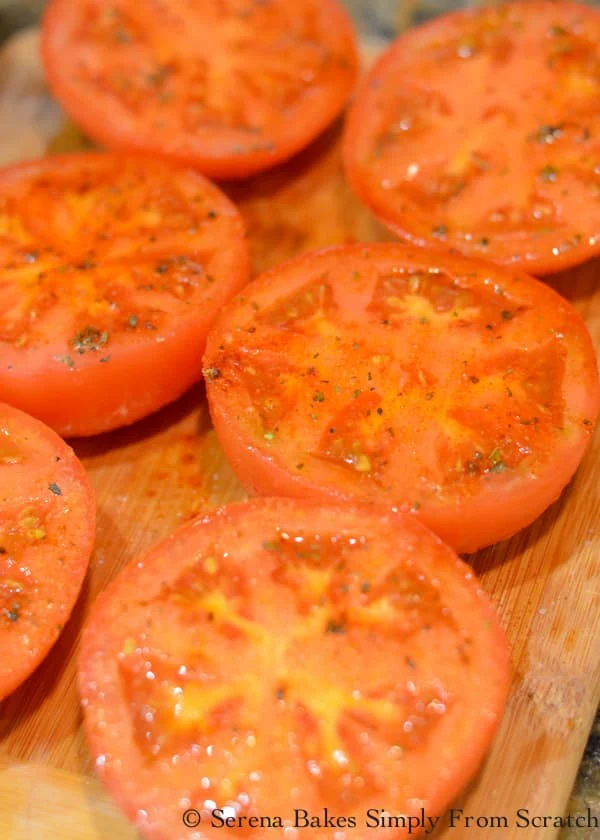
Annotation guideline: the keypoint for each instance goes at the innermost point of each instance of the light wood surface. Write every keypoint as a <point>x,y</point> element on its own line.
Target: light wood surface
<point>155,475</point>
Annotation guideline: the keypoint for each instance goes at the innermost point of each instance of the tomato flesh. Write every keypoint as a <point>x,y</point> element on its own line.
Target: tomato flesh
<point>480,131</point>
<point>243,675</point>
<point>231,87</point>
<point>47,516</point>
<point>400,376</point>
<point>111,271</point>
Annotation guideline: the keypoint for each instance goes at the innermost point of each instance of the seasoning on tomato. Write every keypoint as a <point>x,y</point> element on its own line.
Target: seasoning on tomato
<point>112,270</point>
<point>456,389</point>
<point>47,521</point>
<point>230,86</point>
<point>480,130</point>
<point>279,658</point>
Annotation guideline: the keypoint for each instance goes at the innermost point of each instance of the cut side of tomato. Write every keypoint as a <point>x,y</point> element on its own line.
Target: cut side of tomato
<point>47,523</point>
<point>279,656</point>
<point>112,270</point>
<point>452,388</point>
<point>480,130</point>
<point>230,86</point>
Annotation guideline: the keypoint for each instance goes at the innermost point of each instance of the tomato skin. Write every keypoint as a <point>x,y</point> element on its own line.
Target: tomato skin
<point>213,146</point>
<point>100,398</point>
<point>47,529</point>
<point>539,175</point>
<point>155,791</point>
<point>136,298</point>
<point>498,504</point>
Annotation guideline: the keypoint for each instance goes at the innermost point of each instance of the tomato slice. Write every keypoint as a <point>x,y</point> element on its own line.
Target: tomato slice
<point>230,86</point>
<point>112,271</point>
<point>481,130</point>
<point>279,655</point>
<point>47,523</point>
<point>452,388</point>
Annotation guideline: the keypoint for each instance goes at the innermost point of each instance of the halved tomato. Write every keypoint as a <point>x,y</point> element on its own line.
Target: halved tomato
<point>481,130</point>
<point>230,86</point>
<point>112,270</point>
<point>452,388</point>
<point>291,661</point>
<point>47,523</point>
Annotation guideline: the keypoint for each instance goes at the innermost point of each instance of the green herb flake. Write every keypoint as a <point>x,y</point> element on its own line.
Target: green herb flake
<point>319,397</point>
<point>269,436</point>
<point>211,374</point>
<point>66,360</point>
<point>495,456</point>
<point>90,338</point>
<point>335,627</point>
<point>547,133</point>
<point>549,174</point>
<point>440,231</point>
<point>13,613</point>
<point>555,31</point>
<point>54,488</point>
<point>132,321</point>
<point>272,545</point>
<point>507,315</point>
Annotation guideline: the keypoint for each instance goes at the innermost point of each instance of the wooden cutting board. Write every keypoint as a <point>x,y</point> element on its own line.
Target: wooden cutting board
<point>157,474</point>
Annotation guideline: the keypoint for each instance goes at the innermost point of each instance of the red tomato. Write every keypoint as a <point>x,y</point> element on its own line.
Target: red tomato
<point>230,86</point>
<point>481,130</point>
<point>112,271</point>
<point>47,522</point>
<point>449,387</point>
<point>280,655</point>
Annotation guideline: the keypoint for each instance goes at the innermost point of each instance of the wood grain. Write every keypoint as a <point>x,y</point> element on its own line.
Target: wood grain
<point>155,475</point>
